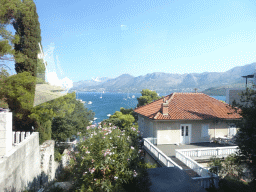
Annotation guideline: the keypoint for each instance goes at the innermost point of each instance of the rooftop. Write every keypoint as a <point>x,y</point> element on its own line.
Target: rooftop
<point>188,106</point>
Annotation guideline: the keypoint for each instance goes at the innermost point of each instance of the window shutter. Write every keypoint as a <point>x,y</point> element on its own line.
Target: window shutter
<point>205,131</point>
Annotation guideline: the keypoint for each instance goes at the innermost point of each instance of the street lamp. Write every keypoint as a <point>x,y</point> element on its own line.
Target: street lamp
<point>246,77</point>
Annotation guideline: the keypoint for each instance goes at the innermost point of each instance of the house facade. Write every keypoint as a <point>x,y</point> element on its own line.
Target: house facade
<point>186,118</point>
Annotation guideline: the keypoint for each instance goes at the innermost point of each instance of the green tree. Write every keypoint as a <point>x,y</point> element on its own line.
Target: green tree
<point>27,28</point>
<point>8,10</point>
<point>19,93</point>
<point>246,136</point>
<point>71,124</point>
<point>3,76</point>
<point>147,97</point>
<point>230,166</point>
<point>44,114</point>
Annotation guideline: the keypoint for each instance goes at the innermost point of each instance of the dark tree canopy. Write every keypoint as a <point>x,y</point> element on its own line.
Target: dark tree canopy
<point>18,91</point>
<point>147,97</point>
<point>246,136</point>
<point>71,124</point>
<point>27,28</point>
<point>8,11</point>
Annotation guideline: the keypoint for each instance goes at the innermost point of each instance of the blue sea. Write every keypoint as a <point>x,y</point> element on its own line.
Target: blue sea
<point>112,102</point>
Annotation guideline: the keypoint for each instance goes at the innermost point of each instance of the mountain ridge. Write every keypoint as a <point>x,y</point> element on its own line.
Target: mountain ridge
<point>167,82</point>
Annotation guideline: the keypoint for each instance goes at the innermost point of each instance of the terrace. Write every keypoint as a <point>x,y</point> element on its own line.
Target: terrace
<point>187,158</point>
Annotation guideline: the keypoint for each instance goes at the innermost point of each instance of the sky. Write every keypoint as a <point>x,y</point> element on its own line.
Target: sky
<point>108,38</point>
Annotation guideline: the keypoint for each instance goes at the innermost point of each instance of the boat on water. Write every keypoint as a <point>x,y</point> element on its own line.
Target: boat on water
<point>95,118</point>
<point>133,96</point>
<point>89,102</point>
<point>80,100</point>
<point>101,95</point>
<point>108,115</point>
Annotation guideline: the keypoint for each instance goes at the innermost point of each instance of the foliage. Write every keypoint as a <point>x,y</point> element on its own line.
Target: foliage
<point>8,10</point>
<point>19,92</point>
<point>147,97</point>
<point>71,124</point>
<point>27,28</point>
<point>106,160</point>
<point>246,136</point>
<point>231,184</point>
<point>230,166</point>
<point>57,154</point>
<point>216,165</point>
<point>44,114</point>
<point>120,119</point>
<point>129,111</point>
<point>3,75</point>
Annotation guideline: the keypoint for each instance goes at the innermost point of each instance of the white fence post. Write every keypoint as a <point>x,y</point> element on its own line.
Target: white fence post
<point>13,137</point>
<point>198,153</point>
<point>22,136</point>
<point>17,137</point>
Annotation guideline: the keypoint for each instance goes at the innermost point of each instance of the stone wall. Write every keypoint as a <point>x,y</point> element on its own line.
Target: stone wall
<point>47,161</point>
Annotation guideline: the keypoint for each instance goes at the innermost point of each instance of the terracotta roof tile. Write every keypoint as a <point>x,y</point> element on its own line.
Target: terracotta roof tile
<point>186,106</point>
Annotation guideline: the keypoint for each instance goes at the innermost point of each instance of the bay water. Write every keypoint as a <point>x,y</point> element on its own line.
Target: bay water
<point>103,104</point>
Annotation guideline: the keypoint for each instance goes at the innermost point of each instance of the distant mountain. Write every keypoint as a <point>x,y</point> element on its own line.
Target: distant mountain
<point>168,82</point>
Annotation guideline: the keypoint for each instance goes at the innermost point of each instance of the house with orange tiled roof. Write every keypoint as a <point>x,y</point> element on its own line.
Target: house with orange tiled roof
<point>186,118</point>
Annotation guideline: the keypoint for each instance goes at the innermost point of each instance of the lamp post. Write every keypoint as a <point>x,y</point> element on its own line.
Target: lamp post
<point>246,77</point>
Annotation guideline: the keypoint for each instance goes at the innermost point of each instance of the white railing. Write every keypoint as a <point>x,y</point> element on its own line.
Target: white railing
<point>18,137</point>
<point>205,182</point>
<point>168,162</point>
<point>205,179</point>
<point>184,155</point>
<point>152,140</point>
<point>217,151</point>
<point>192,164</point>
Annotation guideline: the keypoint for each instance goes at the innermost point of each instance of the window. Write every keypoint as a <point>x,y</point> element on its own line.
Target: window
<point>182,130</point>
<point>205,131</point>
<point>186,130</point>
<point>232,130</point>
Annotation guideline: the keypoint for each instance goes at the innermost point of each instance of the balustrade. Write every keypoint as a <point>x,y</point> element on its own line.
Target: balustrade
<point>200,152</point>
<point>159,154</point>
<point>18,137</point>
<point>184,155</point>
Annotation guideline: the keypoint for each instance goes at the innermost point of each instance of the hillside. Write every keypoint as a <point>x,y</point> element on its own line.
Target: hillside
<point>208,82</point>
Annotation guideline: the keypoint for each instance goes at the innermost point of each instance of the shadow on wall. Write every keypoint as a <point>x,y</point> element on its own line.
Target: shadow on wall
<point>42,181</point>
<point>31,186</point>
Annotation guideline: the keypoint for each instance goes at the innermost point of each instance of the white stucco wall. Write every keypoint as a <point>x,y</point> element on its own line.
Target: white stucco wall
<point>168,132</point>
<point>21,167</point>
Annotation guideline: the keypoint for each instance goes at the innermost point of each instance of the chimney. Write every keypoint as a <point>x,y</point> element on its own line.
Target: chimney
<point>5,131</point>
<point>165,107</point>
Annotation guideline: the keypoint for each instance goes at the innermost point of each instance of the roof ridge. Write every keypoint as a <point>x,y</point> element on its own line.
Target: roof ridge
<point>157,114</point>
<point>171,97</point>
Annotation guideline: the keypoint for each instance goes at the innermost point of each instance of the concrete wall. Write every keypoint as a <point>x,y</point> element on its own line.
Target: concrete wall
<point>146,127</point>
<point>5,132</point>
<point>21,167</point>
<point>234,94</point>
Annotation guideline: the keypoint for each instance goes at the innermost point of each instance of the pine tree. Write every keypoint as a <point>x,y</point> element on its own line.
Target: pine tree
<point>27,28</point>
<point>8,10</point>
